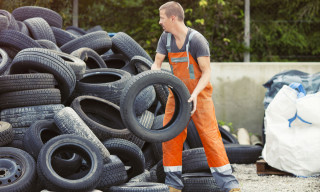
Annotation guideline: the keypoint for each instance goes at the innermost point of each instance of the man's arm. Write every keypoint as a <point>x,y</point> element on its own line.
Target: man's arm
<point>204,64</point>
<point>158,61</point>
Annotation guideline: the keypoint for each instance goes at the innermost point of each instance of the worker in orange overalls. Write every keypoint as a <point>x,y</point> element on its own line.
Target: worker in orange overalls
<point>189,58</point>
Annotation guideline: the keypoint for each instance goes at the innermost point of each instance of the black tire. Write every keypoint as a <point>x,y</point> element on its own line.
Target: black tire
<point>69,122</point>
<point>18,170</point>
<point>48,44</point>
<point>98,41</point>
<point>182,109</point>
<point>23,28</point>
<point>123,43</point>
<point>76,31</point>
<point>6,133</point>
<point>29,98</point>
<point>102,116</point>
<point>16,41</point>
<point>77,65</point>
<point>105,83</point>
<point>243,154</point>
<point>140,187</point>
<point>146,120</point>
<point>18,134</point>
<point>115,61</point>
<point>4,23</point>
<point>91,58</point>
<point>83,147</point>
<point>114,173</point>
<point>196,182</point>
<point>29,115</point>
<point>12,23</point>
<point>62,36</point>
<point>53,18</point>
<point>150,160</point>
<point>4,62</point>
<point>37,135</point>
<point>40,29</point>
<point>44,61</point>
<point>144,99</point>
<point>129,153</point>
<point>142,65</point>
<point>20,82</point>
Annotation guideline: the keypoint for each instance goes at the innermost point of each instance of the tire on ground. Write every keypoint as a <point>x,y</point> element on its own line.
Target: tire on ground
<point>6,133</point>
<point>129,153</point>
<point>19,170</point>
<point>67,143</point>
<point>69,122</point>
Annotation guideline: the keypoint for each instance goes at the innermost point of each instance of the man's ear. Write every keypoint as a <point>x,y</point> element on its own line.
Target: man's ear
<point>173,18</point>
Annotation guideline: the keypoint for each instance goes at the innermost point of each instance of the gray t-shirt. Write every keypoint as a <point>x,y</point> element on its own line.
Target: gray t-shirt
<point>199,46</point>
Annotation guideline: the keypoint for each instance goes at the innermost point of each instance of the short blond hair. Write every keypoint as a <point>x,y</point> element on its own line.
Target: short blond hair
<point>173,8</point>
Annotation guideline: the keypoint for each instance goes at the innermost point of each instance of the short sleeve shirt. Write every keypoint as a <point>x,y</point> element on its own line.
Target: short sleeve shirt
<point>199,46</point>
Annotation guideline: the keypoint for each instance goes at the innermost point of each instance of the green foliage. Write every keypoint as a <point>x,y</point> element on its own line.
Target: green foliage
<point>229,124</point>
<point>286,30</point>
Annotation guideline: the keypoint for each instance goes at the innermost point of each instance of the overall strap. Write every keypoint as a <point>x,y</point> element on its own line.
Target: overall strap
<point>188,44</point>
<point>169,42</point>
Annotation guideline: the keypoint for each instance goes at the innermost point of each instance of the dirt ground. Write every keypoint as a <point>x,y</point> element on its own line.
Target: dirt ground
<point>250,182</point>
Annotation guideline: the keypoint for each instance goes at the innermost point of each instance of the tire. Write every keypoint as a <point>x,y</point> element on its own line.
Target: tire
<point>18,170</point>
<point>40,29</point>
<point>4,23</point>
<point>150,160</point>
<point>66,143</point>
<point>142,65</point>
<point>140,187</point>
<point>197,183</point>
<point>6,133</point>
<point>17,41</point>
<point>29,115</point>
<point>76,30</point>
<point>102,116</point>
<point>98,41</point>
<point>144,99</point>
<point>115,61</point>
<point>77,65</point>
<point>129,153</point>
<point>48,45</point>
<point>243,154</point>
<point>45,61</point>
<point>53,18</point>
<point>180,117</point>
<point>18,134</point>
<point>69,122</point>
<point>114,173</point>
<point>12,23</point>
<point>37,135</point>
<point>105,83</point>
<point>146,120</point>
<point>123,43</point>
<point>29,98</point>
<point>4,62</point>
<point>91,58</point>
<point>23,28</point>
<point>62,36</point>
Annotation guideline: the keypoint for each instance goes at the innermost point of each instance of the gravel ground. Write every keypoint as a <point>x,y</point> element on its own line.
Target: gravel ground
<point>250,182</point>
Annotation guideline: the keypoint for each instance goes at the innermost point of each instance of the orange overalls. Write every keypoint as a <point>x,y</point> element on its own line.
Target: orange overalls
<point>187,70</point>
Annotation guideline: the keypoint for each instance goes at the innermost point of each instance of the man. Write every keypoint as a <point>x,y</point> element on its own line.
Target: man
<point>189,58</point>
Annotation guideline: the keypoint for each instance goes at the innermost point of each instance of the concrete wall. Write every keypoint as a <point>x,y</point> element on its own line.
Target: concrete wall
<point>238,90</point>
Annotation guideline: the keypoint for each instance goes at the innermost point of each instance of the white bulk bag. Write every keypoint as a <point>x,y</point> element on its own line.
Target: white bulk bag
<point>292,129</point>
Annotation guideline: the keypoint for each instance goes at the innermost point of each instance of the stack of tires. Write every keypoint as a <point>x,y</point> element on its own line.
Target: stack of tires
<point>80,110</point>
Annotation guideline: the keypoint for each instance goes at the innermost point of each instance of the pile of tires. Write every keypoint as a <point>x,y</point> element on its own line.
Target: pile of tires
<point>80,110</point>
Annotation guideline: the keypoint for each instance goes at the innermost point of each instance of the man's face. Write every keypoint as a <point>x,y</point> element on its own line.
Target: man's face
<point>164,20</point>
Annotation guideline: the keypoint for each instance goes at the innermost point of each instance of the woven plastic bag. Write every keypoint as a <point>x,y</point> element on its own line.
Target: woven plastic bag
<point>292,128</point>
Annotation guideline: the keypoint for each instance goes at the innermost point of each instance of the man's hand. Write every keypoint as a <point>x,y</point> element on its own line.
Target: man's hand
<point>193,99</point>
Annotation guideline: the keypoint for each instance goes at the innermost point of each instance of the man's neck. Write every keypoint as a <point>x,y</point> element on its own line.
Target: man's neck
<point>180,32</point>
